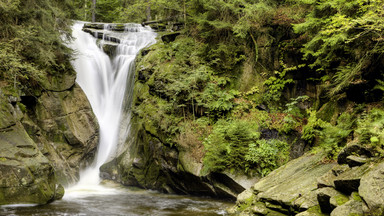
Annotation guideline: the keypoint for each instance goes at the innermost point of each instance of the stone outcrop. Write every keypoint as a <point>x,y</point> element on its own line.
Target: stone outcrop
<point>150,164</point>
<point>26,176</point>
<point>65,129</point>
<point>46,135</point>
<point>307,186</point>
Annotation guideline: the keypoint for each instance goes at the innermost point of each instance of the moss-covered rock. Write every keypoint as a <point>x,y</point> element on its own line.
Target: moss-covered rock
<point>371,189</point>
<point>26,176</point>
<point>351,208</point>
<point>66,130</point>
<point>291,188</point>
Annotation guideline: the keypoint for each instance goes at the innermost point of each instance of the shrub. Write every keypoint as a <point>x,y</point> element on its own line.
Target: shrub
<point>227,145</point>
<point>268,154</point>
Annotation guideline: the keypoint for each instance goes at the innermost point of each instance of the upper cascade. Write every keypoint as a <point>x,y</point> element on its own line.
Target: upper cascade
<point>107,80</point>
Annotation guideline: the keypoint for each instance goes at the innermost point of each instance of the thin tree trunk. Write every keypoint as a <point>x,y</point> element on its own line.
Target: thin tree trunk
<point>148,12</point>
<point>185,15</point>
<point>85,11</point>
<point>93,10</point>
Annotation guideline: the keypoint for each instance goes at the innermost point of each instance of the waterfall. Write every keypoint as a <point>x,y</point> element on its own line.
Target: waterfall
<point>107,82</point>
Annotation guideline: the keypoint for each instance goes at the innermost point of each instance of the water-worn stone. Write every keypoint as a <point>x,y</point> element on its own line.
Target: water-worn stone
<point>65,129</point>
<point>372,189</point>
<point>352,207</point>
<point>26,176</point>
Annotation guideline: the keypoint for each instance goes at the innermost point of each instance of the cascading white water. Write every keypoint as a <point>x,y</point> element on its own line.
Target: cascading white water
<point>106,82</point>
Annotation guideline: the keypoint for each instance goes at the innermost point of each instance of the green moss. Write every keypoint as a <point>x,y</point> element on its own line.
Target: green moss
<point>316,210</point>
<point>355,196</point>
<point>247,204</point>
<point>341,199</point>
<point>328,111</point>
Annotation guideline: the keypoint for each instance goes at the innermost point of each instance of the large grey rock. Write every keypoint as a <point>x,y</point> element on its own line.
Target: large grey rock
<point>352,207</point>
<point>26,176</point>
<point>372,189</point>
<point>292,184</point>
<point>349,181</point>
<point>313,211</point>
<point>150,164</point>
<point>65,129</point>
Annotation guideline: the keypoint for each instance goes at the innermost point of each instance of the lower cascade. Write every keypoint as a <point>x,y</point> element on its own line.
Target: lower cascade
<point>107,80</point>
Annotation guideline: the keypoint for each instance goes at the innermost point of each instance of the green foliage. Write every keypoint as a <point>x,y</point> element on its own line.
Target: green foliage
<point>276,85</point>
<point>268,154</point>
<point>311,129</point>
<point>31,41</point>
<point>332,137</point>
<point>228,144</point>
<point>343,37</point>
<point>371,128</point>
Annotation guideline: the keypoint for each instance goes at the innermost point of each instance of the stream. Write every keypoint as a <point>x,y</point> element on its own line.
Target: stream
<point>112,199</point>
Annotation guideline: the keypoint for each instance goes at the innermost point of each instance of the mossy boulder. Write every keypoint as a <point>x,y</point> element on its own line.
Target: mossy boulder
<point>371,189</point>
<point>351,208</point>
<point>26,176</point>
<point>94,25</point>
<point>292,184</point>
<point>65,129</point>
<point>291,188</point>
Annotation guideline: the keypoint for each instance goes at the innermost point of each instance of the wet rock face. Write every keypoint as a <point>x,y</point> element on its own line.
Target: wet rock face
<point>26,176</point>
<point>65,129</point>
<point>150,164</point>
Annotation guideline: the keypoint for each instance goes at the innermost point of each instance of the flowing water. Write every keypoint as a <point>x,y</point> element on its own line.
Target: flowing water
<point>108,84</point>
<point>116,200</point>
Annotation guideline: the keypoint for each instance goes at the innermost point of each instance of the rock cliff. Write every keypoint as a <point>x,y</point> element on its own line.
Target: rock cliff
<point>46,135</point>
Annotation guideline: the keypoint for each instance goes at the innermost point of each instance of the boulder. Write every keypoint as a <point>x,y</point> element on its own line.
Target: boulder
<point>65,129</point>
<point>313,211</point>
<point>150,164</point>
<point>338,200</point>
<point>353,160</point>
<point>352,149</point>
<point>170,37</point>
<point>293,184</point>
<point>323,197</point>
<point>371,189</point>
<point>349,181</point>
<point>26,176</point>
<point>352,207</point>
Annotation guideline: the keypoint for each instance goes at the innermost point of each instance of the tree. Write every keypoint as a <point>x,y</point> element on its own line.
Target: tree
<point>93,10</point>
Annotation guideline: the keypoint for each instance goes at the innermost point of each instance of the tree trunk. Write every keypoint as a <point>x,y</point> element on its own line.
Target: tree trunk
<point>148,12</point>
<point>185,15</point>
<point>93,10</point>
